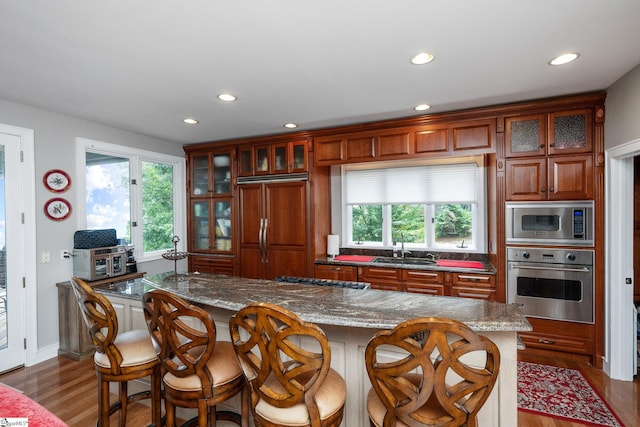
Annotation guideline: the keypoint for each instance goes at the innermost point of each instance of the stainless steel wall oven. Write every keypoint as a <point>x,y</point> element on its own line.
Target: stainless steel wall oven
<point>552,283</point>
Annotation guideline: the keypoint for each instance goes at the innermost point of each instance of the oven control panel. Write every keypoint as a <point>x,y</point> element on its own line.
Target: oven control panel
<point>551,256</point>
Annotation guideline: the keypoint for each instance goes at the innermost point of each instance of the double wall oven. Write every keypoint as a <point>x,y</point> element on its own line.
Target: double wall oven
<point>545,280</point>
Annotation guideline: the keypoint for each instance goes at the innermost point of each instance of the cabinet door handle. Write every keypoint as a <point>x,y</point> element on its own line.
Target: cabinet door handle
<point>264,241</point>
<point>543,189</point>
<point>551,189</point>
<point>260,240</point>
<point>543,341</point>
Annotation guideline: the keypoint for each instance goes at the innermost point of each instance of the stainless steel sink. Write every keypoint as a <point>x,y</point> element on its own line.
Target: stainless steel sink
<point>409,261</point>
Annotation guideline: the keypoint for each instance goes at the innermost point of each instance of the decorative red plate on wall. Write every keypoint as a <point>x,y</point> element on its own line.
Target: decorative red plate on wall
<point>56,181</point>
<point>57,209</point>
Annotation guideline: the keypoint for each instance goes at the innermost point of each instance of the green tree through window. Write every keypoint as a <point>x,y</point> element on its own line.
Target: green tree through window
<point>157,206</point>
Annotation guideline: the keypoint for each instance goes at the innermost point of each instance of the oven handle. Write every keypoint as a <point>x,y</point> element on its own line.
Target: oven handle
<point>527,267</point>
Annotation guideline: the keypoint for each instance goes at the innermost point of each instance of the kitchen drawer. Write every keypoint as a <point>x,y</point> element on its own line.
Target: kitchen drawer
<point>422,276</point>
<point>423,282</point>
<point>474,280</point>
<point>336,272</point>
<point>475,293</point>
<point>387,279</point>
<point>424,288</point>
<point>209,264</point>
<point>555,335</point>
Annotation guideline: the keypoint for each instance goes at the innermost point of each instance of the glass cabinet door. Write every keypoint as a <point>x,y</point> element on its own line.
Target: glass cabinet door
<point>570,132</point>
<point>262,160</point>
<point>223,225</point>
<point>222,173</point>
<point>200,175</point>
<point>201,226</point>
<point>245,161</point>
<point>299,156</point>
<point>280,158</point>
<point>525,136</point>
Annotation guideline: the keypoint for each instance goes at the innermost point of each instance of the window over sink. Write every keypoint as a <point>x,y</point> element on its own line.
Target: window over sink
<point>428,205</point>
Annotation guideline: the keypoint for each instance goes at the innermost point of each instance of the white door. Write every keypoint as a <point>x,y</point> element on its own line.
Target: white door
<point>12,318</point>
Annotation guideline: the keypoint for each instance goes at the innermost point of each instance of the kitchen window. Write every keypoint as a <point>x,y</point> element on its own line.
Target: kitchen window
<point>134,191</point>
<point>427,206</point>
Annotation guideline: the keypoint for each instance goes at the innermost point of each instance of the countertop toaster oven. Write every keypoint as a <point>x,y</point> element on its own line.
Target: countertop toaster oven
<point>99,263</point>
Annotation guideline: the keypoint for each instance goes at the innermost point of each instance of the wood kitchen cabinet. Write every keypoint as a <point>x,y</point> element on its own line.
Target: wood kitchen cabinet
<point>210,203</point>
<point>210,221</point>
<point>336,272</point>
<point>424,282</point>
<point>273,234</point>
<point>386,279</point>
<point>275,158</point>
<point>477,286</point>
<point>549,156</point>
<point>552,178</point>
<point>550,337</point>
<point>431,282</point>
<point>462,137</point>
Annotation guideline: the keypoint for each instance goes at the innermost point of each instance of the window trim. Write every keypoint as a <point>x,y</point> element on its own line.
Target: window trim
<point>341,216</point>
<point>136,156</point>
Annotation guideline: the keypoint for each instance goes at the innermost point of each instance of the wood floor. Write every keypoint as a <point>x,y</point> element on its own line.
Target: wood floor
<point>68,389</point>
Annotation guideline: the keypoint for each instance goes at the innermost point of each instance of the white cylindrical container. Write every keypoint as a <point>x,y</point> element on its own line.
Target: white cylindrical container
<point>333,245</point>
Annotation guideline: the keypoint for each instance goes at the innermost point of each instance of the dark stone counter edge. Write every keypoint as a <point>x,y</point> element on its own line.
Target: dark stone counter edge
<point>488,267</point>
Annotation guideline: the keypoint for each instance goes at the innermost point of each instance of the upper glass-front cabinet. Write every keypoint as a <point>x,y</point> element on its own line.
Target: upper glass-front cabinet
<point>555,133</point>
<point>277,158</point>
<point>211,175</point>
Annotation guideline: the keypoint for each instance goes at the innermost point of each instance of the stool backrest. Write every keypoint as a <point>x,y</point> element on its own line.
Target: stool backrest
<point>443,370</point>
<point>267,339</point>
<point>100,318</point>
<point>184,335</point>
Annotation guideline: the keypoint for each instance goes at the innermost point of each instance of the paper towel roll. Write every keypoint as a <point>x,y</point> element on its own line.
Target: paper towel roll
<point>333,245</point>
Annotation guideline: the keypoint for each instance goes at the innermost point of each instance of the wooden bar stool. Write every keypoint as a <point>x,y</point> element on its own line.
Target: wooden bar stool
<point>290,385</point>
<point>200,372</point>
<point>440,375</point>
<point>119,357</point>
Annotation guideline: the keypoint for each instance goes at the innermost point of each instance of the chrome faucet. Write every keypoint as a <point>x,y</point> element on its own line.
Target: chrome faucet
<point>402,251</point>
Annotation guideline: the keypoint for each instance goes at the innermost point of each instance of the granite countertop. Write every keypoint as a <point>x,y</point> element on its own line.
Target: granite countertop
<point>339,306</point>
<point>130,289</point>
<point>488,268</point>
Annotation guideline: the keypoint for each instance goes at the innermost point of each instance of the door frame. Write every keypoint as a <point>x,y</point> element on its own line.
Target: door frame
<point>619,261</point>
<point>28,269</point>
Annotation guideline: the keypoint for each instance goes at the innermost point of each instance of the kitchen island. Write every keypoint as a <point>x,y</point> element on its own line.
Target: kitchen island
<point>350,317</point>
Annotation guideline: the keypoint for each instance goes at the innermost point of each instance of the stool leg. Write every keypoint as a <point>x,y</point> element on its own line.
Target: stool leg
<point>170,410</point>
<point>203,414</point>
<point>124,400</point>
<point>103,401</point>
<point>156,396</point>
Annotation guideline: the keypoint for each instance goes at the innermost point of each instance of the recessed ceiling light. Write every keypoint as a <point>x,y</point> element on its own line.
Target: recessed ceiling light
<point>191,121</point>
<point>422,107</point>
<point>290,125</point>
<point>227,97</point>
<point>565,58</point>
<point>422,58</point>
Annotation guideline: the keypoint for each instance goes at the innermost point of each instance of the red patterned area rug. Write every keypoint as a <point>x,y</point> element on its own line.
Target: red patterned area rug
<point>562,393</point>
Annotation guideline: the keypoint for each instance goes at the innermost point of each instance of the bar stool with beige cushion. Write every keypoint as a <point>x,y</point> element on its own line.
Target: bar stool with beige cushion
<point>119,357</point>
<point>290,385</point>
<point>442,374</point>
<point>200,372</point>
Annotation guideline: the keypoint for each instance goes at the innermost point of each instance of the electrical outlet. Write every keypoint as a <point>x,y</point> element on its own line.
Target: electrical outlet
<point>64,254</point>
<point>46,257</point>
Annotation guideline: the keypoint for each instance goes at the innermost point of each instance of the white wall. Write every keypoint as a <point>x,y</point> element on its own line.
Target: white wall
<point>55,149</point>
<point>622,121</point>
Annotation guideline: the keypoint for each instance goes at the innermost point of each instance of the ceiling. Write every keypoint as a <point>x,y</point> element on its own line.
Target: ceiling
<point>145,65</point>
